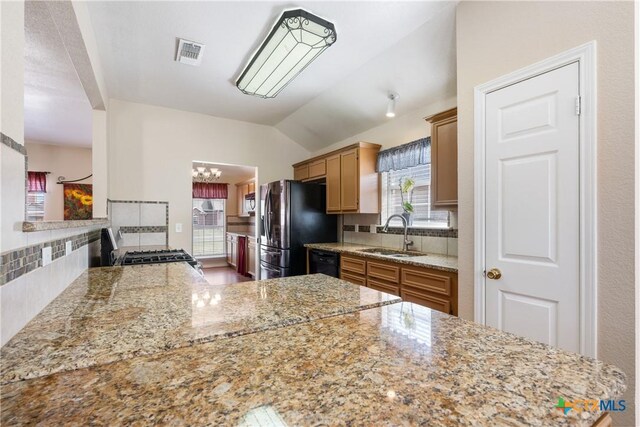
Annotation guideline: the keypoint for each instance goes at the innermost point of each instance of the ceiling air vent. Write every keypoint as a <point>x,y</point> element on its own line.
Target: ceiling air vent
<point>189,52</point>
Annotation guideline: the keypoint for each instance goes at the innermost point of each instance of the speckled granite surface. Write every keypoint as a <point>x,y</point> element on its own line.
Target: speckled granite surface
<point>29,226</point>
<point>399,364</point>
<point>435,261</point>
<point>109,314</point>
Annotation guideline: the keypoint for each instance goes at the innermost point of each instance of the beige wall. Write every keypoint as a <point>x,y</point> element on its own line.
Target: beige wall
<point>399,130</point>
<point>495,38</point>
<point>151,150</point>
<point>70,162</point>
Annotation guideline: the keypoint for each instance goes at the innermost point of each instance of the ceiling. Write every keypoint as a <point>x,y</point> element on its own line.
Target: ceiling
<point>56,108</point>
<point>406,47</point>
<point>230,173</point>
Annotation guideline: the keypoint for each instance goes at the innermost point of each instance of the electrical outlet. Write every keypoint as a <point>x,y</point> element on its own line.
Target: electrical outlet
<point>68,247</point>
<point>46,255</point>
<point>178,227</point>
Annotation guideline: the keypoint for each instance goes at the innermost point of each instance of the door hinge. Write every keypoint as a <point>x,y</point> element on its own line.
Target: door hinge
<point>578,105</point>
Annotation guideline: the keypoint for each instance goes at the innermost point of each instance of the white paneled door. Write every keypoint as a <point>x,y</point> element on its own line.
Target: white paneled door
<point>533,208</point>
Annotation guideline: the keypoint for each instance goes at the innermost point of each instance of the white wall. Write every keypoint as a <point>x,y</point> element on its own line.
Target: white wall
<point>495,38</point>
<point>12,124</point>
<point>151,150</point>
<point>23,298</point>
<point>70,162</point>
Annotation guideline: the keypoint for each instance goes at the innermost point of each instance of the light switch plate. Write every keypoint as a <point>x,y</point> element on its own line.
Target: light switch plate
<point>178,227</point>
<point>68,247</point>
<point>46,255</point>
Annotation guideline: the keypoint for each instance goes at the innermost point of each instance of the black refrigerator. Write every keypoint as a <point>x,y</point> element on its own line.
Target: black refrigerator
<point>292,213</point>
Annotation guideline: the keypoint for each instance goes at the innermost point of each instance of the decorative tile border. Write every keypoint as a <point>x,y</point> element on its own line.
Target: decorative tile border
<point>17,262</point>
<point>153,202</point>
<point>144,229</point>
<point>430,232</point>
<point>11,143</point>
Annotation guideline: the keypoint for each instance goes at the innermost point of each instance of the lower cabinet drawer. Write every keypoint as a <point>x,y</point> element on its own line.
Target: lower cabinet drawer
<point>436,283</point>
<point>383,271</point>
<point>426,300</point>
<point>353,278</point>
<point>353,265</point>
<point>382,286</point>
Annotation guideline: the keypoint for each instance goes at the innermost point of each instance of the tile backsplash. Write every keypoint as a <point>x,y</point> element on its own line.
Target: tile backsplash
<point>366,230</point>
<point>241,224</point>
<point>136,223</point>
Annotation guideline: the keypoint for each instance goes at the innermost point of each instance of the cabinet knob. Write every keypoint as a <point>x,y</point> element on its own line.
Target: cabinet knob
<point>494,274</point>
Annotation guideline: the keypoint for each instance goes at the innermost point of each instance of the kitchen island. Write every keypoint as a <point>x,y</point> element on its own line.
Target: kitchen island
<point>332,354</point>
<point>112,313</point>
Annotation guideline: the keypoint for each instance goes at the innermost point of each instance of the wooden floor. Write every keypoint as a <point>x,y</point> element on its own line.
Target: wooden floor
<point>223,276</point>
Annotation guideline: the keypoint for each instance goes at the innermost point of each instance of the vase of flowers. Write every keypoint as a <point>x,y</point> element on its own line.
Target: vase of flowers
<point>406,197</point>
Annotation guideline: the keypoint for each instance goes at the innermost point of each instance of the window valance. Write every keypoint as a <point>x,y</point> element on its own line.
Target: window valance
<point>405,156</point>
<point>210,190</point>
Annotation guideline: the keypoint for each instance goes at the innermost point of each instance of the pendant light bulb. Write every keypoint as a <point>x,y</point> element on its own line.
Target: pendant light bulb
<point>391,105</point>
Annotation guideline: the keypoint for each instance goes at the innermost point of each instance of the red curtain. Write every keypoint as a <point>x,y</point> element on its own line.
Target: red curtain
<point>37,182</point>
<point>241,262</point>
<point>210,190</point>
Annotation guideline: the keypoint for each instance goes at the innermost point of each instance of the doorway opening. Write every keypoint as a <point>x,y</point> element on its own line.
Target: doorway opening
<point>223,220</point>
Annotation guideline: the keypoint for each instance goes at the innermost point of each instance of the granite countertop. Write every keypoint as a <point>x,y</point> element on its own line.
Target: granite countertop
<point>435,261</point>
<point>400,364</point>
<point>30,226</point>
<point>240,233</point>
<point>113,313</point>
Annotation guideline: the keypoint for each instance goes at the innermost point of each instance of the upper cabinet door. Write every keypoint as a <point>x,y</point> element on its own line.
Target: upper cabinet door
<point>444,159</point>
<point>301,172</point>
<point>333,183</point>
<point>350,181</point>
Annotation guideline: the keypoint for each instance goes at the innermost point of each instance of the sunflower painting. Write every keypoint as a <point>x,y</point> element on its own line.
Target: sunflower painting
<point>78,201</point>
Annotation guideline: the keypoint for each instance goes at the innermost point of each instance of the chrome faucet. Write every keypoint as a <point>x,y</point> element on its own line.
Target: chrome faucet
<point>405,243</point>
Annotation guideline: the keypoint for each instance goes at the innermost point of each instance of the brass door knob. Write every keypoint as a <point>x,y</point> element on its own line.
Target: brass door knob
<point>494,274</point>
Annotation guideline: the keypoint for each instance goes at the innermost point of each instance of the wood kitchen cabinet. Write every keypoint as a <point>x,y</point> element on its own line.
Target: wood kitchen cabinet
<point>425,286</point>
<point>300,173</point>
<point>352,183</point>
<point>232,249</point>
<point>251,256</point>
<point>444,158</point>
<point>242,189</point>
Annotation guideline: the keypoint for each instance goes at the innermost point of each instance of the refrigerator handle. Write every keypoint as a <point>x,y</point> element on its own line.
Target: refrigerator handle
<point>267,223</point>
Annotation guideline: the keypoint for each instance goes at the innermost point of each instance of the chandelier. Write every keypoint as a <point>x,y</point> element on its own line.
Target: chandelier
<point>201,174</point>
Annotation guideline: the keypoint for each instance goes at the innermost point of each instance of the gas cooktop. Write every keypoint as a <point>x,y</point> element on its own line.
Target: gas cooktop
<point>157,257</point>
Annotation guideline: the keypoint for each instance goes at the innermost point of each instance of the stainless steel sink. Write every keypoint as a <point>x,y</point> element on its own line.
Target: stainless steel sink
<point>391,252</point>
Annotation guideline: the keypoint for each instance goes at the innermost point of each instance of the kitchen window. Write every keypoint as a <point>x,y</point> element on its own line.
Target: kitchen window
<point>35,206</point>
<point>208,227</point>
<point>423,216</point>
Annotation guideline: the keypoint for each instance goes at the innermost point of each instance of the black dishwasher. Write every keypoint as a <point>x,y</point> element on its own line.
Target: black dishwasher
<point>324,262</point>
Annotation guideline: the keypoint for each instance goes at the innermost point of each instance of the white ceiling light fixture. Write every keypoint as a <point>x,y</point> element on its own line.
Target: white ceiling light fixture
<point>297,38</point>
<point>189,52</point>
<point>391,106</point>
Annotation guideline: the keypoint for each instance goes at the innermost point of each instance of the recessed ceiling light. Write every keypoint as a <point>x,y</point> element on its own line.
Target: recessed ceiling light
<point>297,38</point>
<point>391,105</point>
